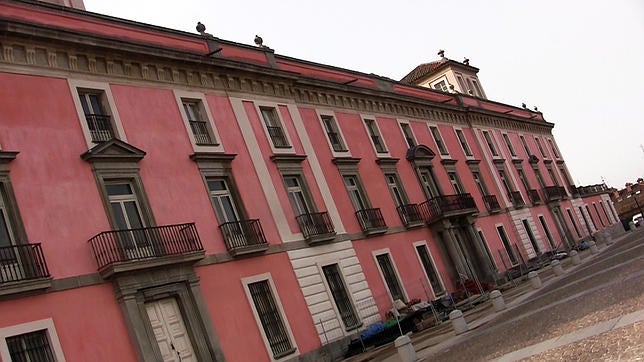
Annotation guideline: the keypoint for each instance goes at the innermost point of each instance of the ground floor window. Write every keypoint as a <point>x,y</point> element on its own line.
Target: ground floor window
<point>430,269</point>
<point>340,296</point>
<point>506,244</point>
<point>390,277</point>
<point>270,318</point>
<point>32,346</point>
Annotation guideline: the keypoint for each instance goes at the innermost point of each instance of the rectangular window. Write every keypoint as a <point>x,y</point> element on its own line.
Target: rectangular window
<point>533,240</point>
<point>333,133</point>
<point>509,144</point>
<point>427,181</point>
<point>551,241</point>
<point>506,244</point>
<point>541,150</point>
<point>490,143</point>
<point>98,120</point>
<point>442,149</point>
<point>430,269</point>
<point>441,86</point>
<point>598,216</point>
<point>553,148</point>
<point>390,276</point>
<point>505,182</point>
<point>297,194</point>
<point>591,218</point>
<point>456,184</point>
<point>461,84</point>
<point>574,224</point>
<point>199,125</point>
<point>32,346</point>
<point>604,210</point>
<point>374,134</point>
<point>274,127</point>
<point>562,169</point>
<point>126,212</point>
<point>479,182</point>
<point>525,146</point>
<point>409,135</point>
<point>270,318</point>
<point>222,199</point>
<point>396,189</point>
<point>340,296</point>
<point>354,188</point>
<point>477,88</point>
<point>524,179</point>
<point>461,138</point>
<point>537,174</point>
<point>551,172</point>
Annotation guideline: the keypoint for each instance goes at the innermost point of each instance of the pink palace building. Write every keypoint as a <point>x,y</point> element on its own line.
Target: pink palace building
<point>175,196</point>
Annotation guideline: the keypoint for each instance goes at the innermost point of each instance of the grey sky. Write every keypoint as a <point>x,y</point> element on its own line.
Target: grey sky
<point>580,62</point>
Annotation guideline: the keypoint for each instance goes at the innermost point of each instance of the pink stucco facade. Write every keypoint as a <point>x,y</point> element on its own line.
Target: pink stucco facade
<point>327,212</point>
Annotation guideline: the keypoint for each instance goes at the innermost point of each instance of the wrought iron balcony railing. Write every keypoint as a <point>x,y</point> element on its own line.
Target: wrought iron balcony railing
<point>371,221</point>
<point>111,247</point>
<point>534,196</point>
<point>278,137</point>
<point>553,193</point>
<point>411,215</point>
<point>100,127</point>
<point>244,237</point>
<point>448,205</point>
<point>491,203</point>
<point>201,133</point>
<point>316,226</point>
<point>22,262</point>
<point>517,199</point>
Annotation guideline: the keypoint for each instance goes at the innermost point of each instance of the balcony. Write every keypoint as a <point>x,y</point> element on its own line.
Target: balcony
<point>244,237</point>
<point>135,249</point>
<point>201,133</point>
<point>554,193</point>
<point>23,268</point>
<point>411,215</point>
<point>278,137</point>
<point>491,203</point>
<point>517,199</point>
<point>316,227</point>
<point>371,221</point>
<point>100,127</point>
<point>534,196</point>
<point>448,206</point>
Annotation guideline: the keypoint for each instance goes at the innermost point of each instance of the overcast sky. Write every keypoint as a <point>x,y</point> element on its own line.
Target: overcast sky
<point>580,62</point>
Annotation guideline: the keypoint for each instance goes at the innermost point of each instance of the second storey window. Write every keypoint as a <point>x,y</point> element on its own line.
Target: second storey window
<point>274,127</point>
<point>198,123</point>
<point>222,200</point>
<point>456,184</point>
<point>490,143</point>
<point>439,140</point>
<point>541,150</point>
<point>297,195</point>
<point>98,120</point>
<point>374,134</point>
<point>461,138</point>
<point>332,132</point>
<point>525,146</point>
<point>396,189</point>
<point>553,148</point>
<point>354,188</point>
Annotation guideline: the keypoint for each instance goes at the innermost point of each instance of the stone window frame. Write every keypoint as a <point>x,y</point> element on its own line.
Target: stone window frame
<point>278,302</point>
<point>388,167</point>
<point>218,166</point>
<point>326,262</point>
<point>107,101</point>
<point>387,251</point>
<point>46,324</point>
<point>181,96</point>
<point>542,150</point>
<point>464,141</point>
<point>499,228</point>
<point>323,113</point>
<point>488,138</point>
<point>450,167</point>
<point>259,104</point>
<point>292,166</point>
<point>8,196</point>
<point>552,243</point>
<point>553,148</point>
<point>474,168</point>
<point>367,119</point>
<point>402,124</point>
<point>509,145</point>
<point>349,167</point>
<point>443,155</point>
<point>433,262</point>
<point>487,248</point>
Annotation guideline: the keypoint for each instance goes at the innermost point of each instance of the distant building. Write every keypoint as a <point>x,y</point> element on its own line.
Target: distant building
<point>175,196</point>
<point>629,201</point>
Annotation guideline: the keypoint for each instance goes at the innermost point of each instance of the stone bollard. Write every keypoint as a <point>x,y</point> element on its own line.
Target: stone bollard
<point>406,350</point>
<point>535,281</point>
<point>497,300</point>
<point>458,321</point>
<point>557,268</point>
<point>574,255</point>
<point>593,247</point>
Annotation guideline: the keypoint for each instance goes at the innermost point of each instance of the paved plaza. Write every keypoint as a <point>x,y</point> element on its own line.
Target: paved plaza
<point>595,311</point>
